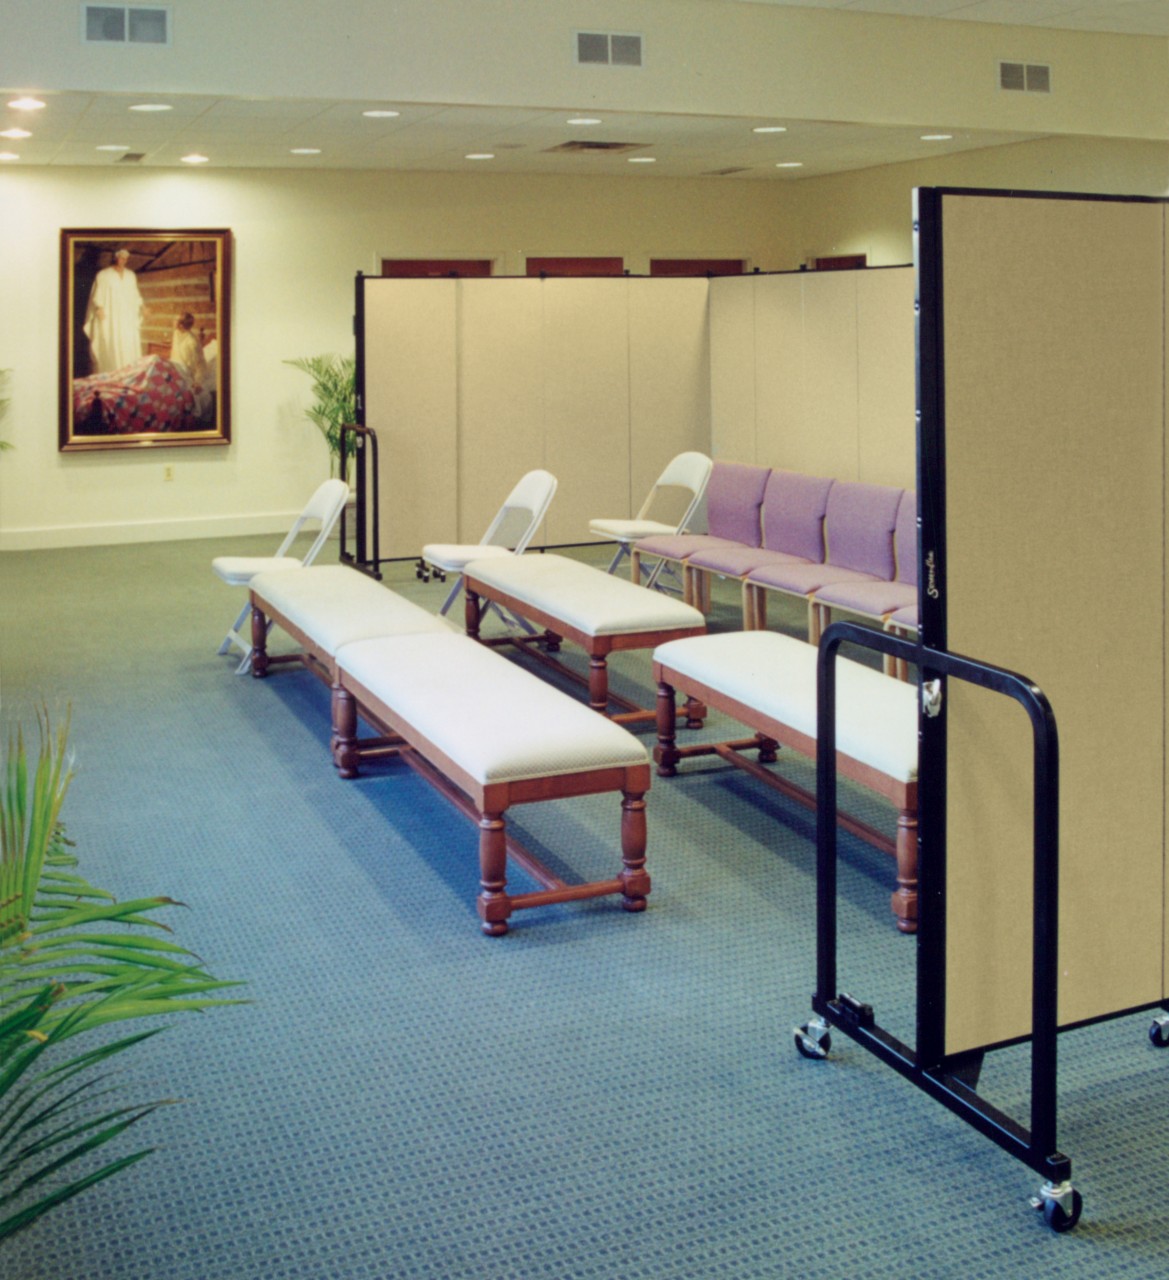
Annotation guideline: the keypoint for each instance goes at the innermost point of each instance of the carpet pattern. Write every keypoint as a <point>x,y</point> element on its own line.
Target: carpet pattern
<point>596,1096</point>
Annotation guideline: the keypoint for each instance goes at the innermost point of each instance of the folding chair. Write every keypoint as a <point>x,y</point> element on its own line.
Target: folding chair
<point>509,533</point>
<point>687,471</point>
<point>325,505</point>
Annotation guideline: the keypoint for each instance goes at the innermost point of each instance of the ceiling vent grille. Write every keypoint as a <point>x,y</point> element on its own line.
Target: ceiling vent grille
<point>124,24</point>
<point>132,157</point>
<point>726,173</point>
<point>592,144</point>
<point>607,49</point>
<point>1025,77</point>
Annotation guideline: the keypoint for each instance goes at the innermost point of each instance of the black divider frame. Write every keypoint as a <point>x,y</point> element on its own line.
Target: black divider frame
<point>364,442</point>
<point>947,1079</point>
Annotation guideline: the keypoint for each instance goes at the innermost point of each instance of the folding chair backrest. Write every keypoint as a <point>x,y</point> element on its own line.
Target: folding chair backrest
<point>525,506</point>
<point>687,471</point>
<point>325,505</point>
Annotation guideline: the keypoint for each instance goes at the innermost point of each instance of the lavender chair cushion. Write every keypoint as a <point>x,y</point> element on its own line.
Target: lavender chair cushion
<point>873,599</point>
<point>904,618</point>
<point>803,579</point>
<point>681,546</point>
<point>859,527</point>
<point>793,514</point>
<point>737,562</point>
<point>905,538</point>
<point>733,498</point>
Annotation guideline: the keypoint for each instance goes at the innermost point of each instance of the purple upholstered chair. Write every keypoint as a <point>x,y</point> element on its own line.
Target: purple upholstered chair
<point>734,496</point>
<point>792,522</point>
<point>858,526</point>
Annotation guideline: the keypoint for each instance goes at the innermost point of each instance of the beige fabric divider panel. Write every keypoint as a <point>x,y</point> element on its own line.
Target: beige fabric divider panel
<point>780,373</point>
<point>669,378</point>
<point>411,402</point>
<point>1055,498</point>
<point>501,396</point>
<point>814,371</point>
<point>585,363</point>
<point>886,391</point>
<point>731,322</point>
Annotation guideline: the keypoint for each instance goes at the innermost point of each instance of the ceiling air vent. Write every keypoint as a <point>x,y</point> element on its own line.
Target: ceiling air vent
<point>726,173</point>
<point>124,24</point>
<point>592,144</point>
<point>607,49</point>
<point>131,157</point>
<point>1025,77</point>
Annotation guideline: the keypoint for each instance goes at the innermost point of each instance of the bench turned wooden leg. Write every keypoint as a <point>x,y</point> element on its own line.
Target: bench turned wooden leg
<point>768,749</point>
<point>695,713</point>
<point>634,877</point>
<point>494,905</point>
<point>344,740</point>
<point>259,644</point>
<point>471,613</point>
<point>904,900</point>
<point>552,642</point>
<point>666,752</point>
<point>598,683</point>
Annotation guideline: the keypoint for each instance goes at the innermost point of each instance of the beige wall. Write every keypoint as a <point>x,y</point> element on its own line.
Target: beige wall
<point>870,210</point>
<point>299,241</point>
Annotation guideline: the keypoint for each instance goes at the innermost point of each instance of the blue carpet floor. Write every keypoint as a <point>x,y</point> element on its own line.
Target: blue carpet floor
<point>596,1096</point>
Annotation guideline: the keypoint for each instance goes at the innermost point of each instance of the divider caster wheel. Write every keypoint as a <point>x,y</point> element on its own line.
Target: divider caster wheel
<point>812,1039</point>
<point>1061,1204</point>
<point>439,575</point>
<point>1159,1031</point>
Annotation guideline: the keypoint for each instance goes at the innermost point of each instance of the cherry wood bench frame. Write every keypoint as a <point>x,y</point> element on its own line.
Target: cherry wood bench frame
<point>543,645</point>
<point>769,735</point>
<point>487,803</point>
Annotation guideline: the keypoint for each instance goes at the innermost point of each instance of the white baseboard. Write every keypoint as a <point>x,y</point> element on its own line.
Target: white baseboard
<point>52,537</point>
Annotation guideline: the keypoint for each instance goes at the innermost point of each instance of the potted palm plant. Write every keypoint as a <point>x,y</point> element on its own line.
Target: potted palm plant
<point>334,388</point>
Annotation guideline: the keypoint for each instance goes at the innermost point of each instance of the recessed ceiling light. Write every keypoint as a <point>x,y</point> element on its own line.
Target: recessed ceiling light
<point>790,164</point>
<point>936,137</point>
<point>583,120</point>
<point>770,128</point>
<point>381,115</point>
<point>112,146</point>
<point>26,104</point>
<point>15,133</point>
<point>195,158</point>
<point>8,155</point>
<point>152,106</point>
<point>643,160</point>
<point>305,151</point>
<point>480,155</point>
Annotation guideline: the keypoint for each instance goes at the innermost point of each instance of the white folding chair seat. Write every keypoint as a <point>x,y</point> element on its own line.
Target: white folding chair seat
<point>514,526</point>
<point>325,506</point>
<point>689,471</point>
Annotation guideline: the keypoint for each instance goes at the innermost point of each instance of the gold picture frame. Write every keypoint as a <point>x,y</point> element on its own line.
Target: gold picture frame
<point>145,339</point>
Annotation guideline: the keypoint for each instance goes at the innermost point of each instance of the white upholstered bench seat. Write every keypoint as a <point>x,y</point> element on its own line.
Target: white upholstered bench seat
<point>327,606</point>
<point>767,682</point>
<point>575,601</point>
<point>469,719</point>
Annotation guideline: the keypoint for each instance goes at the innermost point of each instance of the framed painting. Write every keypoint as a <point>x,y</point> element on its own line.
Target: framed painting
<point>145,339</point>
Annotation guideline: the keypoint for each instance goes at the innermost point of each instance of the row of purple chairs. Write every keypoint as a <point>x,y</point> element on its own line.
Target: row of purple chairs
<point>839,544</point>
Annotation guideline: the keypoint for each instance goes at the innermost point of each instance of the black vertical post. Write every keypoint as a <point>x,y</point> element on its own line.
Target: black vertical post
<point>931,519</point>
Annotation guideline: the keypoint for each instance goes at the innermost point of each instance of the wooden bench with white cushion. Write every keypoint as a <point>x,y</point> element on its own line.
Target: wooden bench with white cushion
<point>325,607</point>
<point>767,682</point>
<point>577,602</point>
<point>490,735</point>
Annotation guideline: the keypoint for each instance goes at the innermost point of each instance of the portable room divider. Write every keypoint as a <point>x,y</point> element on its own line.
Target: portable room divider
<point>468,383</point>
<point>1042,347</point>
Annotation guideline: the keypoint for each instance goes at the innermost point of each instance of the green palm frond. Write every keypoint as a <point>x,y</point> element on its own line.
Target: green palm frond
<point>73,960</point>
<point>334,387</point>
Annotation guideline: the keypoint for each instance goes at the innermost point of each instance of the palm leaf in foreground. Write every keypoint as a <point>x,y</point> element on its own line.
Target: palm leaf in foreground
<point>72,962</point>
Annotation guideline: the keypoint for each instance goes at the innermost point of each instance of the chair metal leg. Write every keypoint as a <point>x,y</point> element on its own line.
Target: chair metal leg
<point>453,595</point>
<point>622,552</point>
<point>232,636</point>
